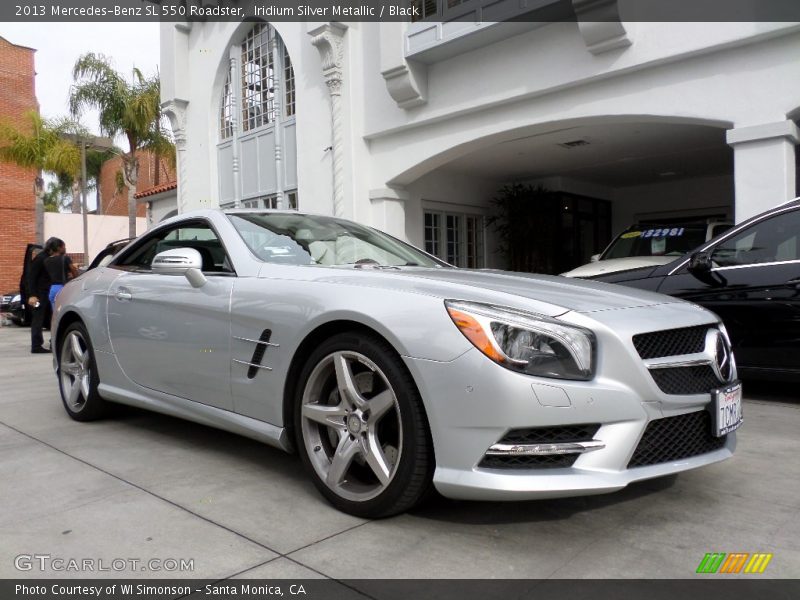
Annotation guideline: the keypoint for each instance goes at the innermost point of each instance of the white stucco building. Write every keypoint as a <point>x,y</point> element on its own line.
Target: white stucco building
<point>413,127</point>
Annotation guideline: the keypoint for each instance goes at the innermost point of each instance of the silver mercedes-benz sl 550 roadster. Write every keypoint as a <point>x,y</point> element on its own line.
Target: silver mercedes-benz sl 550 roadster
<point>389,371</point>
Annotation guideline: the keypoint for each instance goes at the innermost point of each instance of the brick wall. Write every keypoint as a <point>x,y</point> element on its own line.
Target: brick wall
<point>17,202</point>
<point>151,173</point>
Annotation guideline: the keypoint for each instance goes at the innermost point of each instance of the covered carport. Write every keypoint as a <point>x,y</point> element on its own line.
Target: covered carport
<point>608,173</point>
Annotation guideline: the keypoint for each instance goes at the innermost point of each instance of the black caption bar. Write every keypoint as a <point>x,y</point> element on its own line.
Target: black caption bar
<point>401,10</point>
<point>708,588</point>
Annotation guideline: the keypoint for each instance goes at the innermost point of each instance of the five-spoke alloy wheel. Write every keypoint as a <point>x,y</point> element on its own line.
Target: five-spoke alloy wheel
<point>361,428</point>
<point>77,375</point>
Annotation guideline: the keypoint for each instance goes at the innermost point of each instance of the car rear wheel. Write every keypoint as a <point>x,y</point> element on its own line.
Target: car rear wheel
<point>361,428</point>
<point>77,375</point>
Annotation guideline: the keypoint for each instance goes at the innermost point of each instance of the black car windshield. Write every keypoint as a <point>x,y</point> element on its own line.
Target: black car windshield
<point>298,239</point>
<point>667,240</point>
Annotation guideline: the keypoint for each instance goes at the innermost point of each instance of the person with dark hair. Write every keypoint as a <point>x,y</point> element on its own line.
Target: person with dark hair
<point>59,267</point>
<point>38,285</point>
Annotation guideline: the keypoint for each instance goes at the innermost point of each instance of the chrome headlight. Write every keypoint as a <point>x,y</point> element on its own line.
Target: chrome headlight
<point>16,298</point>
<point>526,342</point>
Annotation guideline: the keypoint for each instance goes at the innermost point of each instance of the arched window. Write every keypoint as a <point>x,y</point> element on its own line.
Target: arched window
<point>263,59</point>
<point>257,124</point>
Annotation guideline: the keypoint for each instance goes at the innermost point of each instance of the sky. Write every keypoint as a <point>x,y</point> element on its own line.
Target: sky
<point>58,46</point>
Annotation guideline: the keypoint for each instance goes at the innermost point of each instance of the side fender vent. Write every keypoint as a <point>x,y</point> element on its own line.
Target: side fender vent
<point>258,353</point>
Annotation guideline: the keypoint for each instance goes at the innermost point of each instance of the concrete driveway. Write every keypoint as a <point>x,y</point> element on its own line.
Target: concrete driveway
<point>144,486</point>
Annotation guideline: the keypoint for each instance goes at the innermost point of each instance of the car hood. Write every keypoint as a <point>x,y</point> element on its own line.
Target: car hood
<point>544,294</point>
<point>612,265</point>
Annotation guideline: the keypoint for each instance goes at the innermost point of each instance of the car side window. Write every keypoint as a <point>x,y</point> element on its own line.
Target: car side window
<point>774,239</point>
<point>199,236</point>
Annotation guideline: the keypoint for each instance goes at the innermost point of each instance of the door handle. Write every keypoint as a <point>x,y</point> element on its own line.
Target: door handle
<point>123,295</point>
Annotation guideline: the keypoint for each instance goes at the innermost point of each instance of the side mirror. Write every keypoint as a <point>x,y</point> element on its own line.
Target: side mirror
<point>594,258</point>
<point>180,261</point>
<point>700,262</point>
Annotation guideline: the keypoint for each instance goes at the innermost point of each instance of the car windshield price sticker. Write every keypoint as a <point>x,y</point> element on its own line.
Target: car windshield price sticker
<point>728,409</point>
<point>663,232</point>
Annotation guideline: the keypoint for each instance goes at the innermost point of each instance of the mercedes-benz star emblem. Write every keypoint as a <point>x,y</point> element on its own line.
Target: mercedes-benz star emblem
<point>722,362</point>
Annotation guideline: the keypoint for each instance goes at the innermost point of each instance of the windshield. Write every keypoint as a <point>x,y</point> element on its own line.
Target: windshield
<point>297,239</point>
<point>656,241</point>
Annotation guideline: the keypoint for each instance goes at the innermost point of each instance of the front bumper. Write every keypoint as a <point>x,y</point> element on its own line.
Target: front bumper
<point>472,403</point>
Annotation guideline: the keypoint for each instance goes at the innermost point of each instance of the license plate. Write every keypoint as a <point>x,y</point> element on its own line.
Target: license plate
<point>727,409</point>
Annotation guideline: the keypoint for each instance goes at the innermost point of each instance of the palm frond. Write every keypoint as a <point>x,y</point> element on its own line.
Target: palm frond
<point>39,145</point>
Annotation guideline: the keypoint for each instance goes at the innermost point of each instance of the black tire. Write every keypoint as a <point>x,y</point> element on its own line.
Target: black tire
<point>413,460</point>
<point>88,407</point>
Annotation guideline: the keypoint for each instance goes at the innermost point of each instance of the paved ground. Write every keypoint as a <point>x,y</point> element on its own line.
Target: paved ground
<point>147,486</point>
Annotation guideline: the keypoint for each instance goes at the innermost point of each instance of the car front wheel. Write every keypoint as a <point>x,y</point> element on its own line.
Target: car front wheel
<point>77,375</point>
<point>361,428</point>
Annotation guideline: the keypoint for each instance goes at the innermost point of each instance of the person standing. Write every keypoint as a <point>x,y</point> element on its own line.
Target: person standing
<point>60,269</point>
<point>38,284</point>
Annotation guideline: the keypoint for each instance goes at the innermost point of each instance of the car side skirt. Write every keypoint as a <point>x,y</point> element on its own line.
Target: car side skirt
<point>211,416</point>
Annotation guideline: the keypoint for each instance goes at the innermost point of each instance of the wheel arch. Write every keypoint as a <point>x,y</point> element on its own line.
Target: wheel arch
<point>67,319</point>
<point>307,346</point>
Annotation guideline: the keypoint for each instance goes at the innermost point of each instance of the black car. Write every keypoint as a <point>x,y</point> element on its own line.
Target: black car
<point>19,312</point>
<point>11,305</point>
<point>750,277</point>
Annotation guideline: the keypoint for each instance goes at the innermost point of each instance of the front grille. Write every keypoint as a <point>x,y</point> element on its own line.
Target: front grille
<point>541,435</point>
<point>686,380</point>
<point>676,438</point>
<point>671,342</point>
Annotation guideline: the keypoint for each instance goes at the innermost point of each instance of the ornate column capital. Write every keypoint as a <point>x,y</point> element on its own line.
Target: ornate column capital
<point>328,39</point>
<point>175,110</point>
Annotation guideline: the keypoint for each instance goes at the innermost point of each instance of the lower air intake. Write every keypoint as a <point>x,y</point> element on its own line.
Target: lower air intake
<point>675,438</point>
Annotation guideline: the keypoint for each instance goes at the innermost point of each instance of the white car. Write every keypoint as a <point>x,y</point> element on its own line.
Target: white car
<point>649,246</point>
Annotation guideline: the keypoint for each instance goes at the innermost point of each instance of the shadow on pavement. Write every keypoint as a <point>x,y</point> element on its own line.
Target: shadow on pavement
<point>273,462</point>
<point>439,508</point>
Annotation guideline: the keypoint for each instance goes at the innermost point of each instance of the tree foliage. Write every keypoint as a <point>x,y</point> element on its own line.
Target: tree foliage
<point>58,196</point>
<point>39,145</point>
<point>129,108</point>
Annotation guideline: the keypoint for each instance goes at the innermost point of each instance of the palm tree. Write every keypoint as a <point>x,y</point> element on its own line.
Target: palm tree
<point>131,109</point>
<point>39,146</point>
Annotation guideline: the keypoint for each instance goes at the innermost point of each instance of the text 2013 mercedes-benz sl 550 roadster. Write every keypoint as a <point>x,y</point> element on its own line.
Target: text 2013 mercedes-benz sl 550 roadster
<point>389,371</point>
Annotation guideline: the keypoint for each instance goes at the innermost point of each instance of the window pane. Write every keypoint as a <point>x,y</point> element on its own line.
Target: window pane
<point>453,239</point>
<point>200,237</point>
<point>226,110</point>
<point>288,83</point>
<point>474,245</point>
<point>258,74</point>
<point>772,240</point>
<point>432,225</point>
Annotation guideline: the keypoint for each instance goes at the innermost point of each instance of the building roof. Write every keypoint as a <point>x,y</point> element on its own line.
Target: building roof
<point>10,43</point>
<point>157,189</point>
